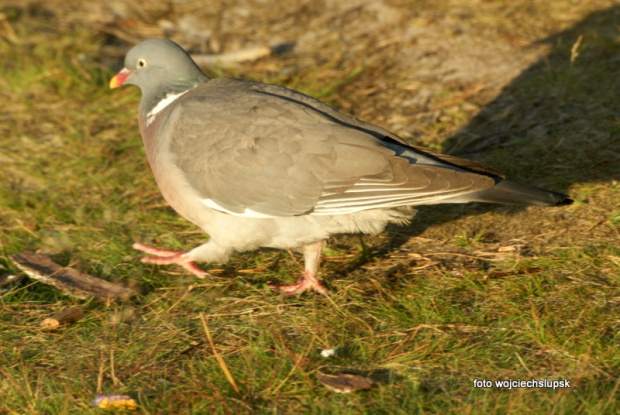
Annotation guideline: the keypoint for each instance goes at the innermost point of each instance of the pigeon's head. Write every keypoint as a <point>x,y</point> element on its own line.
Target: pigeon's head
<point>159,66</point>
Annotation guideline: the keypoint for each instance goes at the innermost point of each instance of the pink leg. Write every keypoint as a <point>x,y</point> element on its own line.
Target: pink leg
<point>165,257</point>
<point>312,258</point>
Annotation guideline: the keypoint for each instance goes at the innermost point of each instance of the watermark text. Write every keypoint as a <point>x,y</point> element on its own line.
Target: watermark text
<point>515,384</point>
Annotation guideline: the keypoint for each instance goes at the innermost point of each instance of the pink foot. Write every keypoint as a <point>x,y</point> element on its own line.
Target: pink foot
<point>309,282</point>
<point>165,257</point>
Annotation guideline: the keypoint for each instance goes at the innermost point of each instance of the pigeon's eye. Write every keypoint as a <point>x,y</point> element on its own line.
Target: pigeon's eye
<point>141,63</point>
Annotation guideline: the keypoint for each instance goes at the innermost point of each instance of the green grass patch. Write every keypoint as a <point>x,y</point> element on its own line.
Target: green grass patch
<point>468,293</point>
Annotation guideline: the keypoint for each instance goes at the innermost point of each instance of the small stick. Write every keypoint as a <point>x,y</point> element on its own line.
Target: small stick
<point>69,280</point>
<point>221,362</point>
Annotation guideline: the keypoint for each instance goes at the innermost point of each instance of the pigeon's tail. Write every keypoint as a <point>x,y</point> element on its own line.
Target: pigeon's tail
<point>510,193</point>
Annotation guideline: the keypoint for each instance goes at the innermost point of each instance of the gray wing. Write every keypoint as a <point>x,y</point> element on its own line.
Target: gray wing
<point>262,151</point>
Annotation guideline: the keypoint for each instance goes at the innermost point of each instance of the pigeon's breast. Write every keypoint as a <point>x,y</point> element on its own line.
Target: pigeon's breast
<point>173,185</point>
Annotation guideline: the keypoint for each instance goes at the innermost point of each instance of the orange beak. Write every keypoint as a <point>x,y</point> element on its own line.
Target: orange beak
<point>120,78</point>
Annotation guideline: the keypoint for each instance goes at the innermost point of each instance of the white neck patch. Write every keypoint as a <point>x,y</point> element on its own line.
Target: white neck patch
<point>168,99</point>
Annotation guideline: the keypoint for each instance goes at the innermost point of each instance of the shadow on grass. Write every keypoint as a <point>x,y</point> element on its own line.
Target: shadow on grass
<point>556,124</point>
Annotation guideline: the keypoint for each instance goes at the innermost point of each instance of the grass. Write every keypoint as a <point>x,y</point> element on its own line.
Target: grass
<point>464,293</point>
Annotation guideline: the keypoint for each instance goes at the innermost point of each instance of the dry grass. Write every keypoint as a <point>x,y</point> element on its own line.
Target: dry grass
<point>463,293</point>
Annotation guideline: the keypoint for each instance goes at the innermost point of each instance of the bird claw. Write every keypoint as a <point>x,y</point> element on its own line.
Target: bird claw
<point>166,257</point>
<point>309,282</point>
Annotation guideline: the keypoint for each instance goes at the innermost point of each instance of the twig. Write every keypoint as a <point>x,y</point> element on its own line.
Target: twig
<point>529,372</point>
<point>112,371</point>
<point>296,363</point>
<point>69,280</point>
<point>219,358</point>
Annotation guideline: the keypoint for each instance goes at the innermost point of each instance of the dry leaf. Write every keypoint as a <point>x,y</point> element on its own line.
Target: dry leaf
<point>345,382</point>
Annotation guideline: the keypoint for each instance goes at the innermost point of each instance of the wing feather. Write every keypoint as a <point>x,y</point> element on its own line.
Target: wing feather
<point>254,149</point>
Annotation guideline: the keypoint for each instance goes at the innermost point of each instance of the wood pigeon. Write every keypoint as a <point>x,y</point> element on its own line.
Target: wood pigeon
<point>257,165</point>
